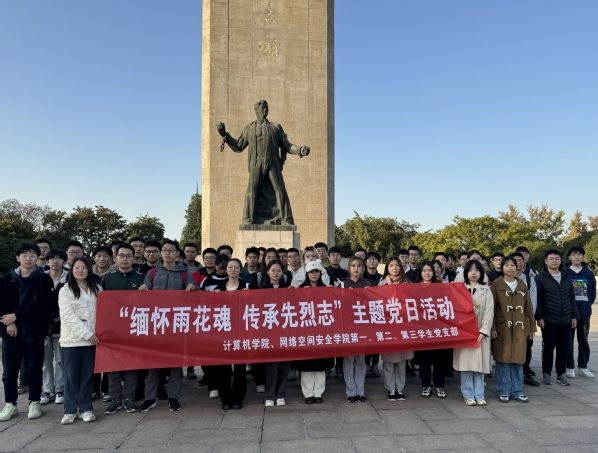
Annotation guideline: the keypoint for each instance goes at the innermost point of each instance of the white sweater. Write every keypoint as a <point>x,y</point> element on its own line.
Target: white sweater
<point>77,317</point>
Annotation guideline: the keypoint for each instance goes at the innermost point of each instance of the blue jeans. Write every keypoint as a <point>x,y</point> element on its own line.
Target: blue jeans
<point>472,385</point>
<point>509,379</point>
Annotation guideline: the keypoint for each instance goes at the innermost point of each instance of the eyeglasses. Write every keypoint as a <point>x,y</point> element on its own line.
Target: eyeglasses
<point>168,251</point>
<point>56,259</point>
<point>124,257</point>
<point>44,248</point>
<point>209,258</point>
<point>75,252</point>
<point>138,246</point>
<point>31,256</point>
<point>152,252</point>
<point>372,259</point>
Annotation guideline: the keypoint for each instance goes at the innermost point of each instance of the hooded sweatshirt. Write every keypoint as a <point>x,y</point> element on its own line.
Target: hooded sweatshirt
<point>584,285</point>
<point>32,301</point>
<point>169,279</point>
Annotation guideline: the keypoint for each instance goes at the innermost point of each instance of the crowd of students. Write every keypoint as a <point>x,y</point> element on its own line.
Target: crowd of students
<point>48,307</point>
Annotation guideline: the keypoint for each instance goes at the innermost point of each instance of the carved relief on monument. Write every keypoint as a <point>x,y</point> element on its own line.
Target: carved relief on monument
<point>268,15</point>
<point>269,39</point>
<point>269,49</point>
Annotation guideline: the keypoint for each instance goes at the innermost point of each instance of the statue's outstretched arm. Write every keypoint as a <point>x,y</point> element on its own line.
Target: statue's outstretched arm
<point>237,145</point>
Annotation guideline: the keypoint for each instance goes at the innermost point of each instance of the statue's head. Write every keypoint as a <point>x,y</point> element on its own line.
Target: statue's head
<point>261,109</point>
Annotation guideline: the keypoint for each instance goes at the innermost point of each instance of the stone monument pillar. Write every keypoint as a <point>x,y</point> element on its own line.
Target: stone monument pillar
<point>281,51</point>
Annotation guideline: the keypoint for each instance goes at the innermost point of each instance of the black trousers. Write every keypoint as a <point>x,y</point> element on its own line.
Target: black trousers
<point>583,347</point>
<point>100,383</point>
<point>555,336</point>
<point>258,370</point>
<point>231,391</point>
<point>16,350</point>
<point>528,358</point>
<point>372,359</point>
<point>425,374</point>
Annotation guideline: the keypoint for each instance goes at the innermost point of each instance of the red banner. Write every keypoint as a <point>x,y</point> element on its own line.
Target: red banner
<point>162,329</point>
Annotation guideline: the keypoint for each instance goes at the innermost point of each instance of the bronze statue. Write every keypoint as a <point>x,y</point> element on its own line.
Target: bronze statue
<point>266,200</point>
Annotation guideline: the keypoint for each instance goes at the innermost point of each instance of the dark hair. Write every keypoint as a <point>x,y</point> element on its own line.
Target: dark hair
<point>126,246</point>
<point>293,249</point>
<point>494,255</point>
<point>359,250</point>
<point>261,249</point>
<point>221,258</point>
<point>321,244</point>
<point>266,277</point>
<point>438,263</point>
<point>505,260</point>
<point>270,250</point>
<point>90,280</point>
<point>576,249</point>
<point>171,242</point>
<point>418,279</point>
<point>441,254</point>
<point>237,260</point>
<point>102,248</point>
<point>253,250</point>
<point>209,250</point>
<point>451,255</point>
<point>224,247</point>
<point>514,254</point>
<point>190,244</point>
<point>551,252</point>
<point>271,263</point>
<point>136,239</point>
<point>282,250</point>
<point>73,244</point>
<point>115,243</point>
<point>374,254</point>
<point>307,283</point>
<point>473,252</point>
<point>463,253</point>
<point>335,249</point>
<point>414,247</point>
<point>28,246</point>
<point>153,243</point>
<point>57,253</point>
<point>402,252</point>
<point>485,258</point>
<point>402,275</point>
<point>42,240</point>
<point>467,268</point>
<point>522,249</point>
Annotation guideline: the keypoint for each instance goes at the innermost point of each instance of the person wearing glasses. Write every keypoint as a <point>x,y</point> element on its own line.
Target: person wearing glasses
<point>74,250</point>
<point>209,261</point>
<point>44,247</point>
<point>414,255</point>
<point>138,245</point>
<point>124,278</point>
<point>152,256</point>
<point>169,275</point>
<point>26,303</point>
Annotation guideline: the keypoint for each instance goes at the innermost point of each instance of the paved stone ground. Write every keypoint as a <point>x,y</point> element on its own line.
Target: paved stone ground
<point>557,419</point>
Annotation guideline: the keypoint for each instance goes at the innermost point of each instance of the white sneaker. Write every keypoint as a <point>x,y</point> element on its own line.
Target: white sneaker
<point>88,416</point>
<point>281,402</point>
<point>67,419</point>
<point>9,411</point>
<point>586,373</point>
<point>46,398</point>
<point>269,403</point>
<point>260,389</point>
<point>59,398</point>
<point>214,394</point>
<point>570,373</point>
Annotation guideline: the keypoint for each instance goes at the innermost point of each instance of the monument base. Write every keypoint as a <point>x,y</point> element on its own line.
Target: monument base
<point>264,238</point>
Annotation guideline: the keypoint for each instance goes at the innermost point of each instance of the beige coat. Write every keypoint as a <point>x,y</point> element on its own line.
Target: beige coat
<point>478,359</point>
<point>394,357</point>
<point>513,321</point>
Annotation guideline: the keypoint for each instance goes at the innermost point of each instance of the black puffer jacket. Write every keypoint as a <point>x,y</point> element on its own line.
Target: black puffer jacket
<point>556,302</point>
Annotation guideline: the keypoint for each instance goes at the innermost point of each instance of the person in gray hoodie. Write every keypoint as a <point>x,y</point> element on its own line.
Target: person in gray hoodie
<point>167,275</point>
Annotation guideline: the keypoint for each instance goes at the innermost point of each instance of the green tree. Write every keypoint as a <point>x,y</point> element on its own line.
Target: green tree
<point>192,229</point>
<point>386,235</point>
<point>146,227</point>
<point>94,226</point>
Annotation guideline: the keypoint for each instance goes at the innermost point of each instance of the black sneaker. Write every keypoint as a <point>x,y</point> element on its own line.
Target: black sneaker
<point>362,398</point>
<point>129,405</point>
<point>352,399</point>
<point>400,396</point>
<point>147,405</point>
<point>113,407</point>
<point>174,405</point>
<point>318,400</point>
<point>391,396</point>
<point>237,405</point>
<point>310,400</point>
<point>440,393</point>
<point>225,407</point>
<point>528,380</point>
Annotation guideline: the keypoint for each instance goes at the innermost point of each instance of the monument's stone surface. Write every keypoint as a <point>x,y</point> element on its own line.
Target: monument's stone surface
<point>282,51</point>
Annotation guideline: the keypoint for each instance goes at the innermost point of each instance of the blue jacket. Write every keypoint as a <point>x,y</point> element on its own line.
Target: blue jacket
<point>584,283</point>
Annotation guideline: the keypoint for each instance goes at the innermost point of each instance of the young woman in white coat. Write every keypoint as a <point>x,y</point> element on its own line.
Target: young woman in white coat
<point>77,304</point>
<point>309,254</point>
<point>394,366</point>
<point>474,363</point>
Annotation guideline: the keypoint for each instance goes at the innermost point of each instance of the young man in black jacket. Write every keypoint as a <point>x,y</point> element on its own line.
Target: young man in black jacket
<point>26,303</point>
<point>556,313</point>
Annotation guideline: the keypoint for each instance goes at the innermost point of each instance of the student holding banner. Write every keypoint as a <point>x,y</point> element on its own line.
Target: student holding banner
<point>313,371</point>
